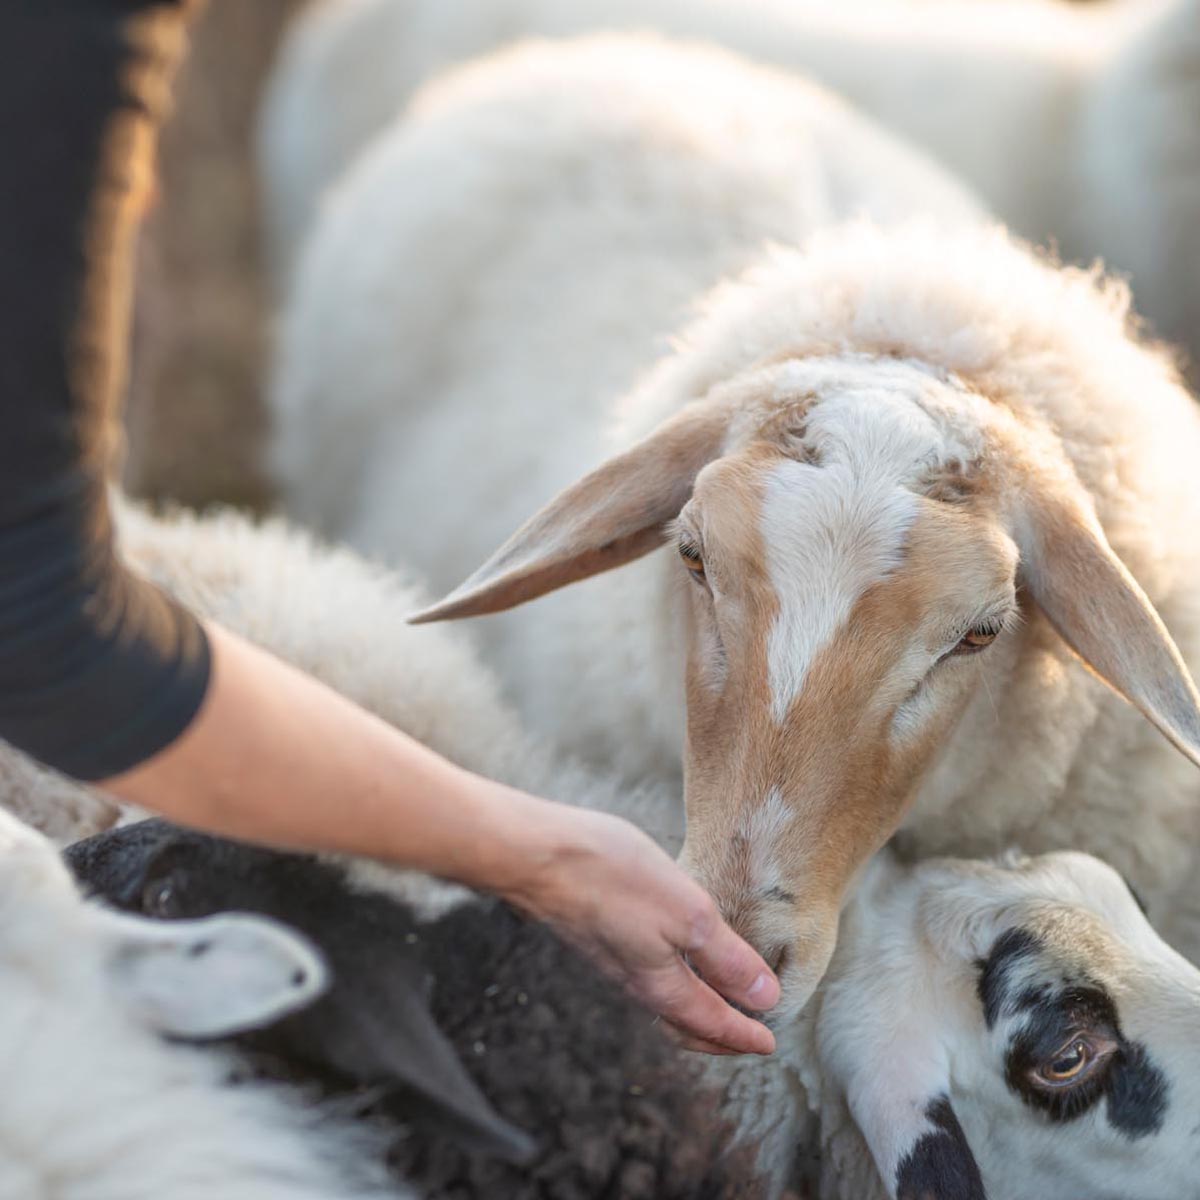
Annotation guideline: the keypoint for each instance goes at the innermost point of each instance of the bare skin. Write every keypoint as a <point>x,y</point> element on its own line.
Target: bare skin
<point>274,756</point>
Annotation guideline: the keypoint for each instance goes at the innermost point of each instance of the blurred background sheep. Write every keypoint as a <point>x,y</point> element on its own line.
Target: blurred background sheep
<point>195,418</point>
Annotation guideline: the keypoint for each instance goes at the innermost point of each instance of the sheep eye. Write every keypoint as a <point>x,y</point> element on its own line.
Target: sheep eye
<point>690,553</point>
<point>1069,1065</point>
<point>158,898</point>
<point>979,638</point>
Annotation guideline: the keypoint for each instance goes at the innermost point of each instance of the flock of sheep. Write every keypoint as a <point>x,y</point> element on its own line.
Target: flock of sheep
<point>879,531</point>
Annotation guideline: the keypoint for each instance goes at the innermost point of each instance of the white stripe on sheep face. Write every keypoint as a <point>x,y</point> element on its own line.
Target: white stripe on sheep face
<point>854,532</point>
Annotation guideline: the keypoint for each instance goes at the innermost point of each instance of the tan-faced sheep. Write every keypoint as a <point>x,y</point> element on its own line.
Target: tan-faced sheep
<point>912,476</point>
<point>1077,123</point>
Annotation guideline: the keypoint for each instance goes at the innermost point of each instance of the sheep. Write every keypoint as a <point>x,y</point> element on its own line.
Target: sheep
<point>740,156</point>
<point>100,1103</point>
<point>1072,123</point>
<point>1021,1013</point>
<point>973,1010</point>
<point>929,498</point>
<point>614,1107</point>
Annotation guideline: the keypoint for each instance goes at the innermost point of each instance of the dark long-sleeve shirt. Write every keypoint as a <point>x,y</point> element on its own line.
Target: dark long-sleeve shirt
<point>98,670</point>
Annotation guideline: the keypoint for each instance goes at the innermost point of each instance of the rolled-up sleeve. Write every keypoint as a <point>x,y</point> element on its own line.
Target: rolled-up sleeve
<point>98,669</point>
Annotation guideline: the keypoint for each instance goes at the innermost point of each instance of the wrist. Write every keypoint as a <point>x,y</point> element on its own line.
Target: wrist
<point>524,845</point>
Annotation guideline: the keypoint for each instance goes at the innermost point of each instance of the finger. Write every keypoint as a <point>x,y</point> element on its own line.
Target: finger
<point>734,969</point>
<point>696,1010</point>
<point>700,1047</point>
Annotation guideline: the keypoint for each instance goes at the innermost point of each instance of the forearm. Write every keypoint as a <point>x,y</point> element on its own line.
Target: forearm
<point>275,756</point>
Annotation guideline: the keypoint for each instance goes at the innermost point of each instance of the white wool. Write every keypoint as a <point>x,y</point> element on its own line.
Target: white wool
<point>568,212</point>
<point>1075,123</point>
<point>511,323</point>
<point>98,1106</point>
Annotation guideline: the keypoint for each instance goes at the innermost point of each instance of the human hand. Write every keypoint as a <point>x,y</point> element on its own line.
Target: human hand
<point>609,889</point>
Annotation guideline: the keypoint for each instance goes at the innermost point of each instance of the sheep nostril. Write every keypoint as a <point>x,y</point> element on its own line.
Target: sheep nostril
<point>777,959</point>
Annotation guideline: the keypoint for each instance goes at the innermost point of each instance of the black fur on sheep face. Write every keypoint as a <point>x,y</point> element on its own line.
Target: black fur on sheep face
<point>479,1023</point>
<point>1066,1051</point>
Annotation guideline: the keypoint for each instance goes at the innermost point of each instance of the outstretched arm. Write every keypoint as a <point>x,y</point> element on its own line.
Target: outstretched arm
<point>275,756</point>
<point>106,679</point>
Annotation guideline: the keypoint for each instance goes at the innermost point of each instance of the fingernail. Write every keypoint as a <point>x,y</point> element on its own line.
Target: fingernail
<point>764,991</point>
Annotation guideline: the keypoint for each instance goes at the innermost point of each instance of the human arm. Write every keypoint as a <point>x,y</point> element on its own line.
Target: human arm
<point>274,756</point>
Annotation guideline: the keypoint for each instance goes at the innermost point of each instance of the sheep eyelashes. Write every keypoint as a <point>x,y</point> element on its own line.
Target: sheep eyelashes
<point>373,1027</point>
<point>1047,1017</point>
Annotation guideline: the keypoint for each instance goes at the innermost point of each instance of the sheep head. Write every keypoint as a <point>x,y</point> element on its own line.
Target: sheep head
<point>1012,1028</point>
<point>858,539</point>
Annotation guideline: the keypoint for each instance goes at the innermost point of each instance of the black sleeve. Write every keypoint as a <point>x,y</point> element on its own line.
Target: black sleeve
<point>98,670</point>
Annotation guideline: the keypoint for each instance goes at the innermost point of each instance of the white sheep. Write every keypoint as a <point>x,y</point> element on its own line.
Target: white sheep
<point>1077,123</point>
<point>1022,1014</point>
<point>912,476</point>
<point>100,1103</point>
<point>659,200</point>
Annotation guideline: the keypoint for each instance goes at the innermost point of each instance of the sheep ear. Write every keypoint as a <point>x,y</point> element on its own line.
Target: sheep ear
<point>899,1101</point>
<point>1099,610</point>
<point>214,977</point>
<point>938,1163</point>
<point>609,518</point>
<point>381,1030</point>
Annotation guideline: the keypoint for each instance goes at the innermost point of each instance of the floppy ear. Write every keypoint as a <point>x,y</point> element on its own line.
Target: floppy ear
<point>213,977</point>
<point>609,518</point>
<point>897,1091</point>
<point>1099,610</point>
<point>381,1030</point>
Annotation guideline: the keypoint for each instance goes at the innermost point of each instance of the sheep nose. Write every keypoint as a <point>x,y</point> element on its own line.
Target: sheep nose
<point>776,957</point>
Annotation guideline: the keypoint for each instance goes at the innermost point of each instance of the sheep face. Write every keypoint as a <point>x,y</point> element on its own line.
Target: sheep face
<point>841,611</point>
<point>850,534</point>
<point>1017,1029</point>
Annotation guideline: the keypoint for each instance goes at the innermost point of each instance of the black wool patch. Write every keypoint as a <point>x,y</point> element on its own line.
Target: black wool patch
<point>546,1044</point>
<point>940,1166</point>
<point>1137,1092</point>
<point>994,985</point>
